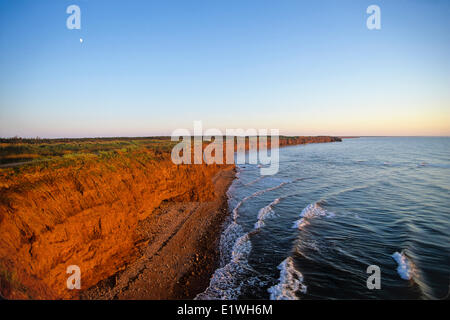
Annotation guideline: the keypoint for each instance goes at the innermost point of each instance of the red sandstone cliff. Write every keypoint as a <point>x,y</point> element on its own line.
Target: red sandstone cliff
<point>84,215</point>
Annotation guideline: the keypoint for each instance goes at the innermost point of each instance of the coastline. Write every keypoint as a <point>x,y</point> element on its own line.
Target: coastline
<point>129,240</point>
<point>183,253</point>
<point>180,263</point>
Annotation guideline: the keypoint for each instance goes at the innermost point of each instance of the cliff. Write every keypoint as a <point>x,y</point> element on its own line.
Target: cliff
<point>85,215</point>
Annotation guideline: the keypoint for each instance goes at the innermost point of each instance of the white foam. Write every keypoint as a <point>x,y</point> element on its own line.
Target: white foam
<point>227,241</point>
<point>225,283</point>
<point>405,266</point>
<point>311,211</point>
<point>290,282</point>
<point>265,213</point>
<point>235,247</point>
<point>258,193</point>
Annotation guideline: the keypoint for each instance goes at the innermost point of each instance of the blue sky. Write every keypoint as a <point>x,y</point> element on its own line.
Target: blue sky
<point>149,67</point>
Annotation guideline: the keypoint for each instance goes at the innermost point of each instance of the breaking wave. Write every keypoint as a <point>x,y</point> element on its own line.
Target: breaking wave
<point>266,212</point>
<point>405,267</point>
<point>225,283</point>
<point>290,282</point>
<point>253,195</point>
<point>235,247</point>
<point>311,211</point>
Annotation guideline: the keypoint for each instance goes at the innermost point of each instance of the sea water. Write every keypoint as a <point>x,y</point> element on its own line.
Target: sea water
<point>332,210</point>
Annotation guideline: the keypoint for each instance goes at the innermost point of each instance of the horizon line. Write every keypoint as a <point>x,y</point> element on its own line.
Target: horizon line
<point>280,135</point>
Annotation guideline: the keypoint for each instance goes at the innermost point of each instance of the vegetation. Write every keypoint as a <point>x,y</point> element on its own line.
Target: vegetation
<point>19,154</point>
<point>38,152</point>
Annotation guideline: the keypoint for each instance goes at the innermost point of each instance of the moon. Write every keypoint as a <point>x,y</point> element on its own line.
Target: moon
<point>81,40</point>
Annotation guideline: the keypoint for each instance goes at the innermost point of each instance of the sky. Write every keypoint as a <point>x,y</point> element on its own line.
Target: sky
<point>149,67</point>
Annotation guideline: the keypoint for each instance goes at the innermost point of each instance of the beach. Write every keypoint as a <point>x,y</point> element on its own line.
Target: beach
<point>182,255</point>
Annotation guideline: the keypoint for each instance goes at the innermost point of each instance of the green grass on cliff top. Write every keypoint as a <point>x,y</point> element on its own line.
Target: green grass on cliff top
<point>18,151</point>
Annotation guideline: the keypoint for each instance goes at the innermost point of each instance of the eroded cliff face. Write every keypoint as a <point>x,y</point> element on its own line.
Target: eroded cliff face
<point>85,215</point>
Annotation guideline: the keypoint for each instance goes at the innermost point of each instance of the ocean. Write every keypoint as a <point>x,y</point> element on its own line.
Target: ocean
<point>334,209</point>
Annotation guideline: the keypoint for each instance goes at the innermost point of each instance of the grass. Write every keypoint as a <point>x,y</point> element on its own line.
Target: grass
<point>19,156</point>
<point>18,153</point>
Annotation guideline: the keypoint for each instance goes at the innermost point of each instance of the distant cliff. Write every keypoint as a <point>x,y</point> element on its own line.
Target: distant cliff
<point>305,140</point>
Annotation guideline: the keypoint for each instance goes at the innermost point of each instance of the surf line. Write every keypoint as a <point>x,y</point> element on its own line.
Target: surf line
<point>258,193</point>
<point>240,249</point>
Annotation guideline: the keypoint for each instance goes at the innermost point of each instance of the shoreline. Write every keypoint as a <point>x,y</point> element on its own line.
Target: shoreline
<point>131,241</point>
<point>178,266</point>
<point>181,255</point>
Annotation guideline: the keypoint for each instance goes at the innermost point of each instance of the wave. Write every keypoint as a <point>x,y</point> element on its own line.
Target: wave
<point>235,247</point>
<point>405,267</point>
<point>265,212</point>
<point>225,283</point>
<point>254,181</point>
<point>434,165</point>
<point>311,211</point>
<point>258,193</point>
<point>422,164</point>
<point>290,282</point>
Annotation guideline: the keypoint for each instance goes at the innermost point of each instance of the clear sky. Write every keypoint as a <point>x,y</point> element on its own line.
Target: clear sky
<point>149,67</point>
